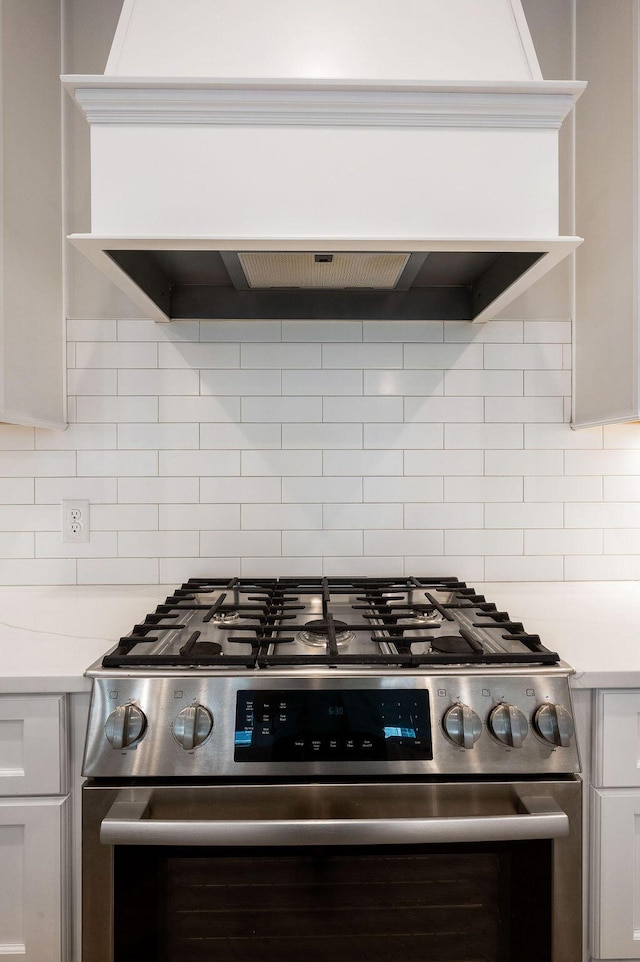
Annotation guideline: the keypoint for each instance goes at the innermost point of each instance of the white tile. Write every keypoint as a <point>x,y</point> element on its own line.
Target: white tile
<point>361,356</point>
<point>16,544</point>
<point>17,490</point>
<point>482,489</point>
<point>108,354</point>
<point>402,383</point>
<point>280,356</point>
<point>279,567</point>
<point>620,489</point>
<point>619,541</point>
<point>37,571</point>
<point>117,463</point>
<point>322,331</point>
<point>15,437</point>
<point>240,490</point>
<point>527,568</point>
<point>195,463</point>
<point>165,381</point>
<point>321,490</point>
<point>400,436</point>
<point>363,567</point>
<point>116,571</point>
<point>602,462</point>
<point>524,409</point>
<point>547,383</point>
<point>443,462</point>
<point>483,436</point>
<point>157,490</point>
<point>30,517</point>
<point>486,542</point>
<point>543,541</point>
<point>299,544</point>
<point>466,568</point>
<point>53,490</point>
<point>76,437</point>
<point>199,517</point>
<point>500,332</point>
<point>239,383</point>
<point>523,462</point>
<point>281,409</point>
<point>142,329</point>
<point>124,517</point>
<point>547,332</point>
<point>564,489</point>
<point>92,382</point>
<point>444,409</point>
<point>254,436</point>
<point>157,544</point>
<point>402,489</point>
<point>622,435</point>
<point>618,514</point>
<point>304,436</point>
<point>523,357</point>
<point>282,517</point>
<point>71,354</point>
<point>448,515</point>
<point>173,354</point>
<point>344,516</point>
<point>79,329</point>
<point>37,464</point>
<point>311,383</point>
<point>524,515</point>
<point>362,462</point>
<point>98,409</point>
<point>406,331</point>
<point>283,463</point>
<point>257,544</point>
<point>172,436</point>
<point>102,544</point>
<point>561,436</point>
<point>362,409</point>
<point>445,357</point>
<point>240,330</point>
<point>490,384</point>
<point>71,409</point>
<point>405,542</point>
<point>567,357</point>
<point>202,409</point>
<point>173,571</point>
<point>602,567</point>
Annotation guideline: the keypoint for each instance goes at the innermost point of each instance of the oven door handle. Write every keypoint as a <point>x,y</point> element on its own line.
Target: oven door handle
<point>128,823</point>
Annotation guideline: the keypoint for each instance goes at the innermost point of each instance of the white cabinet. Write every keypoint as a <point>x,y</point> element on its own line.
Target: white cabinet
<point>32,361</point>
<point>34,829</point>
<point>606,368</point>
<point>615,820</point>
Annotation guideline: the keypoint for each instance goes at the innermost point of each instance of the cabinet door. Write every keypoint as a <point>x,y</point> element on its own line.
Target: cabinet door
<point>33,880</point>
<point>617,746</point>
<point>32,732</point>
<point>616,874</point>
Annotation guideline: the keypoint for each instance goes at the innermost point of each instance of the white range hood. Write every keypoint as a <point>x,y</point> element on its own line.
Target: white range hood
<point>349,158</point>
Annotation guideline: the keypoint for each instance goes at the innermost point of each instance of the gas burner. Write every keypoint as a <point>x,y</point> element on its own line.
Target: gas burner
<point>316,633</point>
<point>225,617</point>
<point>426,616</point>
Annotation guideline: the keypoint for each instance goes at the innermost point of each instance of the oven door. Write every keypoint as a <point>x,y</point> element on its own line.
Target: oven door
<point>482,871</point>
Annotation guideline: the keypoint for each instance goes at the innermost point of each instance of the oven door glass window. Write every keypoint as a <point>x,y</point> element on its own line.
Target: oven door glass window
<point>440,903</point>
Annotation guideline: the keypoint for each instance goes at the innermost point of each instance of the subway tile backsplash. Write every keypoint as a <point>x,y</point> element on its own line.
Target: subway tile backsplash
<point>268,448</point>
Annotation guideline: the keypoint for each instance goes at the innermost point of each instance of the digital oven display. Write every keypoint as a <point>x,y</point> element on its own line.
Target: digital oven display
<point>332,725</point>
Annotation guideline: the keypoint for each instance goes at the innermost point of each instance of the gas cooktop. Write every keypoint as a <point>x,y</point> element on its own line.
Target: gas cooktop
<point>336,622</point>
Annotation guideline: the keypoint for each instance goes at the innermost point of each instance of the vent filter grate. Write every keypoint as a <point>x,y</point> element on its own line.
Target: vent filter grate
<point>291,269</point>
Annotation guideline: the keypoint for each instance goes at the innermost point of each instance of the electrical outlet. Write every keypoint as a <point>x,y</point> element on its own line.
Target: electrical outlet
<point>75,520</point>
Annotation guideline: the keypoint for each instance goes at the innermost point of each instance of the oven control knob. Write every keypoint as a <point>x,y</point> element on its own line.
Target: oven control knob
<point>462,726</point>
<point>125,726</point>
<point>192,726</point>
<point>555,724</point>
<point>509,725</point>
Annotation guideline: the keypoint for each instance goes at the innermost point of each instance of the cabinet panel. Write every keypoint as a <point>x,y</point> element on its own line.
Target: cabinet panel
<point>32,733</point>
<point>616,874</point>
<point>33,879</point>
<point>617,757</point>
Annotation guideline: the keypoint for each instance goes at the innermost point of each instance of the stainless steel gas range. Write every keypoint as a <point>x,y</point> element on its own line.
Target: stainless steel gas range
<point>379,738</point>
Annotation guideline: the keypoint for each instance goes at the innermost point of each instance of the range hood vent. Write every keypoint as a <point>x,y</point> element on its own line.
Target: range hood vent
<point>380,162</point>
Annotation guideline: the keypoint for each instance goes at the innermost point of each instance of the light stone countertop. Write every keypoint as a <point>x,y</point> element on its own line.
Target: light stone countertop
<point>50,635</point>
